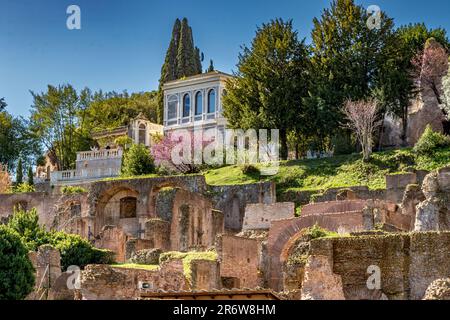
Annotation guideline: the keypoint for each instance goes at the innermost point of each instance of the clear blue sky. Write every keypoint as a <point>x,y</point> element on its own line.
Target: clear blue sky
<point>122,43</point>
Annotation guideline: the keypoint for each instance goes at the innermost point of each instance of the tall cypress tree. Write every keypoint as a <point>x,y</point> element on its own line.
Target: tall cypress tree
<point>182,59</point>
<point>19,172</point>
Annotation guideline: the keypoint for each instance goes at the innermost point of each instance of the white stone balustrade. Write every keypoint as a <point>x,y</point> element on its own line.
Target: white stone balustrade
<point>99,154</point>
<point>83,174</point>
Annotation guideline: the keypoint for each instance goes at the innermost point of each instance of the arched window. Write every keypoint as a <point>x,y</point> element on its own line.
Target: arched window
<point>198,103</point>
<point>186,105</point>
<point>172,106</point>
<point>212,101</point>
<point>142,133</point>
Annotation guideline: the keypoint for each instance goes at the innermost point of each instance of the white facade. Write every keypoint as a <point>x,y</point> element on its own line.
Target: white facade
<point>91,165</point>
<point>195,102</point>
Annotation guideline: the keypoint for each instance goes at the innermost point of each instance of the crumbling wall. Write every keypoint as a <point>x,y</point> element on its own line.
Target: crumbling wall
<point>260,215</point>
<point>47,264</point>
<point>232,200</point>
<point>205,274</point>
<point>103,282</point>
<point>240,259</point>
<point>157,231</point>
<point>194,223</point>
<point>408,263</point>
<point>113,238</point>
<point>48,207</point>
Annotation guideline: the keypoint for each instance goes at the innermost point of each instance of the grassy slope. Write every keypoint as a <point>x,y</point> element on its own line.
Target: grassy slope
<point>339,171</point>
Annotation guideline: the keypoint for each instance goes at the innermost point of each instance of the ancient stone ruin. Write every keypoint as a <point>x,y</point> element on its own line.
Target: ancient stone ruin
<point>179,234</point>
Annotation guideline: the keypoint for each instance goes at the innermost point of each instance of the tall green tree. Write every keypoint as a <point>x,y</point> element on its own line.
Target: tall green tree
<point>270,83</point>
<point>111,110</point>
<point>16,141</point>
<point>182,59</point>
<point>57,119</point>
<point>347,61</point>
<point>19,172</point>
<point>30,176</point>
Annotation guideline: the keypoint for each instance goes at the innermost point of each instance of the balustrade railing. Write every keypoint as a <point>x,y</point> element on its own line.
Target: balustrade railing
<point>99,154</point>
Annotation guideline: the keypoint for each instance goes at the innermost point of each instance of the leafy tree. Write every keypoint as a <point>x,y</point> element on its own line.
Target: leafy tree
<point>349,61</point>
<point>57,119</point>
<point>16,271</point>
<point>137,161</point>
<point>270,83</point>
<point>16,141</point>
<point>111,110</point>
<point>19,173</point>
<point>182,59</point>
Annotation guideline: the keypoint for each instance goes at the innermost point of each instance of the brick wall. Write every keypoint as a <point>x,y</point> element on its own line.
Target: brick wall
<point>260,216</point>
<point>232,200</point>
<point>409,263</point>
<point>333,207</point>
<point>240,258</point>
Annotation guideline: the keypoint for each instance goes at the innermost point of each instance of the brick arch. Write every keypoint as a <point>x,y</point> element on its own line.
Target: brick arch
<point>282,236</point>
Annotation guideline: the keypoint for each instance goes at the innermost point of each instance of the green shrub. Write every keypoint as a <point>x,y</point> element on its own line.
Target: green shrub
<point>431,141</point>
<point>73,248</point>
<point>24,188</point>
<point>26,224</point>
<point>78,251</point>
<point>16,271</point>
<point>317,232</point>
<point>68,190</point>
<point>137,161</point>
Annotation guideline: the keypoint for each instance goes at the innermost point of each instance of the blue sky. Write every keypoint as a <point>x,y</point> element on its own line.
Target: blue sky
<point>122,43</point>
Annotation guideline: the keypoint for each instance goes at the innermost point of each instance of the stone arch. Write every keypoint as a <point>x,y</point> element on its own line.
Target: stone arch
<point>288,231</point>
<point>108,210</point>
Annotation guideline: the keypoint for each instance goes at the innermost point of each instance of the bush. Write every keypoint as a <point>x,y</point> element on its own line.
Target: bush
<point>24,188</point>
<point>68,190</point>
<point>78,251</point>
<point>16,271</point>
<point>26,224</point>
<point>73,248</point>
<point>431,141</point>
<point>137,161</point>
<point>316,232</point>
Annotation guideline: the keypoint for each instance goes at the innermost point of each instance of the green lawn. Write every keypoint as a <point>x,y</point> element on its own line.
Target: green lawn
<point>339,171</point>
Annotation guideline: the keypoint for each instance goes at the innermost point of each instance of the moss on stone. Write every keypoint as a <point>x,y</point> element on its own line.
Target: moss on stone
<point>187,258</point>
